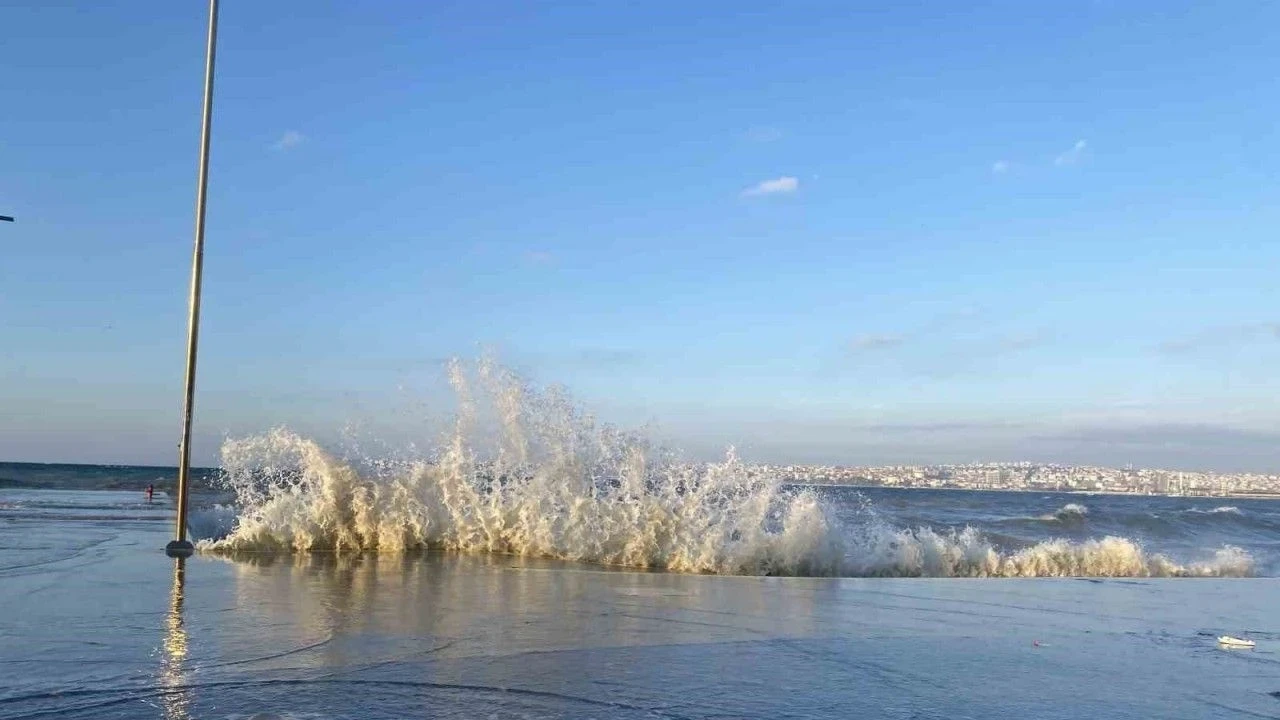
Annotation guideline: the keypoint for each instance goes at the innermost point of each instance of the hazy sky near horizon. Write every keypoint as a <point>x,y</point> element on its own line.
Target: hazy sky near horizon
<point>822,231</point>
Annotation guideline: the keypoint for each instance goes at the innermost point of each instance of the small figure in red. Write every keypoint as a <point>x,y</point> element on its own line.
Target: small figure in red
<point>151,490</point>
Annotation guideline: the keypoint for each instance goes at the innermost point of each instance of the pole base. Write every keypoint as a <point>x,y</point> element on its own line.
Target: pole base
<point>179,548</point>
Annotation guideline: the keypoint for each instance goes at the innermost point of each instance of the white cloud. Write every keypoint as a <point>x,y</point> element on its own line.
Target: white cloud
<point>785,184</point>
<point>290,139</point>
<point>1072,156</point>
<point>1000,167</point>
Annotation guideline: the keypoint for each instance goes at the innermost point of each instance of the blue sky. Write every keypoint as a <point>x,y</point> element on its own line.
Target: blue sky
<point>822,232</point>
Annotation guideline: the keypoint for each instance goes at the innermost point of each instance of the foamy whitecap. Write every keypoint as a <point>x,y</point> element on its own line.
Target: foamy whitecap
<point>1069,513</point>
<point>551,483</point>
<point>1220,510</point>
<point>922,552</point>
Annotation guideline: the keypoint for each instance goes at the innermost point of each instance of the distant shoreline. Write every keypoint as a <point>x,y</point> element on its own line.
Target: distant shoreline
<point>863,486</point>
<point>208,472</point>
<point>109,466</point>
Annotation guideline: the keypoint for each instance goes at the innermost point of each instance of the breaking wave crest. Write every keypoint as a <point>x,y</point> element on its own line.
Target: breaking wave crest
<point>1220,510</point>
<point>922,552</point>
<point>549,482</point>
<point>1069,513</point>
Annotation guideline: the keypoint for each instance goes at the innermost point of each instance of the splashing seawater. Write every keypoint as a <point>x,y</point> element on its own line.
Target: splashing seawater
<point>551,484</point>
<point>547,481</point>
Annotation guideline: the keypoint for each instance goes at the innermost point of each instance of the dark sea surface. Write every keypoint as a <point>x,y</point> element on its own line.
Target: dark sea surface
<point>97,477</point>
<point>99,624</point>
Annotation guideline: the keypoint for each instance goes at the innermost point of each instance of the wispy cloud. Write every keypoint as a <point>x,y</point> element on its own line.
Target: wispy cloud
<point>1168,434</point>
<point>762,134</point>
<point>1000,167</point>
<point>944,325</point>
<point>539,257</point>
<point>942,427</point>
<point>1072,156</point>
<point>556,362</point>
<point>782,185</point>
<point>290,139</point>
<point>872,343</point>
<point>945,347</point>
<point>607,357</point>
<point>1168,445</point>
<point>1017,343</point>
<point>964,355</point>
<point>1225,336</point>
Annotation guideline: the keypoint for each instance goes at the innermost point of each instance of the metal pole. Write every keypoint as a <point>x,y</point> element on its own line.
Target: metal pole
<point>181,546</point>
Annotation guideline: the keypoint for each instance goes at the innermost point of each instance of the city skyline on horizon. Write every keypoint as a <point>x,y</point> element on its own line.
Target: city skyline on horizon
<point>830,234</point>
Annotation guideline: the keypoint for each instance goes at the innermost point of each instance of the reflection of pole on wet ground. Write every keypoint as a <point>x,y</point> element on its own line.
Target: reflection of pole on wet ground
<point>174,695</point>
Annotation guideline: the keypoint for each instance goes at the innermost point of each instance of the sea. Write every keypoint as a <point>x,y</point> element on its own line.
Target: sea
<point>533,563</point>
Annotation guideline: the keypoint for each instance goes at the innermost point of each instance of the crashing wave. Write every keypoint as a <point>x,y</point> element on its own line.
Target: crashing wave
<point>706,520</point>
<point>555,485</point>
<point>1069,513</point>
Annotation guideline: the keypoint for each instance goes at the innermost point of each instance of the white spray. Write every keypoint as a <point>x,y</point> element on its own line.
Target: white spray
<point>549,482</point>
